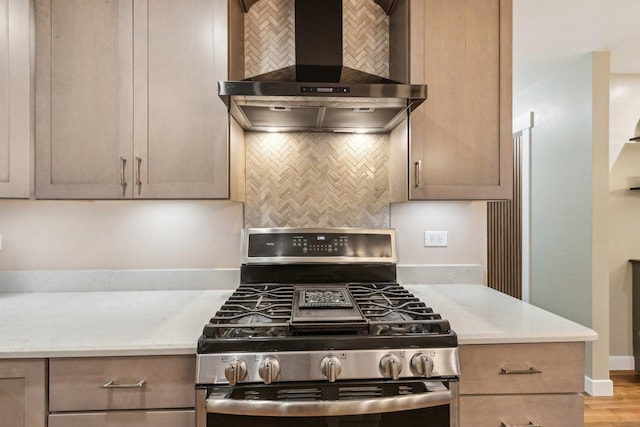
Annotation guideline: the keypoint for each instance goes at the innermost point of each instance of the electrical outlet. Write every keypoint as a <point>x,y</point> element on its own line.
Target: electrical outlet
<point>435,238</point>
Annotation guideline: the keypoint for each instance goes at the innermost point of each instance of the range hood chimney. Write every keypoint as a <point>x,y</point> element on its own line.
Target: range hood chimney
<point>319,93</point>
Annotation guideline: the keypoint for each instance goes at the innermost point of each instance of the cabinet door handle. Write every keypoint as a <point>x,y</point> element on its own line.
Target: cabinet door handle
<point>112,384</point>
<point>531,424</point>
<point>530,371</point>
<point>123,180</point>
<point>418,173</point>
<point>138,174</point>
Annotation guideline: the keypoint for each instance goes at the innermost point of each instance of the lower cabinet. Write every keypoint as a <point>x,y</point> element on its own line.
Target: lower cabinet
<point>173,418</point>
<point>23,400</point>
<point>562,410</point>
<point>122,391</point>
<point>522,384</point>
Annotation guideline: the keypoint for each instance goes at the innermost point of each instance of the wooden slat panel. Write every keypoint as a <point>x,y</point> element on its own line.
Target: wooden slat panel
<point>504,235</point>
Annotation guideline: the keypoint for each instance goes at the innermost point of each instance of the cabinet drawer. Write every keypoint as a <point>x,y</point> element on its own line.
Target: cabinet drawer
<point>522,368</point>
<point>79,384</point>
<point>551,410</point>
<point>125,419</point>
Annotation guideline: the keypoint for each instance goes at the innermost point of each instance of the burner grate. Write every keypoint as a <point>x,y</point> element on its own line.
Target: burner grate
<point>393,310</point>
<point>253,311</point>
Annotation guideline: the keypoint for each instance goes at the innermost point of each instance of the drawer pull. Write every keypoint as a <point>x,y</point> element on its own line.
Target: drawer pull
<point>530,371</point>
<point>111,384</point>
<point>531,424</point>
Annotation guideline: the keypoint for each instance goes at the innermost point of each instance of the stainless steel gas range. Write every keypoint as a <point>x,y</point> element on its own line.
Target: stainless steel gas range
<point>320,334</point>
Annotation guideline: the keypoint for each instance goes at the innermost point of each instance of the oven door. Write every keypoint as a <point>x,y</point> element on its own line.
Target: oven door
<point>349,404</point>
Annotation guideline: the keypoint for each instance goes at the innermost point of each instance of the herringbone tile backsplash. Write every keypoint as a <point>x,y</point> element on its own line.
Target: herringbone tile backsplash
<point>269,37</point>
<point>317,180</point>
<point>365,37</point>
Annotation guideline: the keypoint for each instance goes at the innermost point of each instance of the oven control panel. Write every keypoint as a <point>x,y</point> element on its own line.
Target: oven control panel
<point>279,245</point>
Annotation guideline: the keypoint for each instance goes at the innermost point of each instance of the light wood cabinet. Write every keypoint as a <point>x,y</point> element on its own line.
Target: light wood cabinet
<point>122,391</point>
<point>125,419</point>
<point>518,384</point>
<point>23,393</point>
<point>559,410</point>
<point>126,99</point>
<point>15,99</point>
<point>460,138</point>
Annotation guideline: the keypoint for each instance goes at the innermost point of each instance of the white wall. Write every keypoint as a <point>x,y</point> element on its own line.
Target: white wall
<point>568,249</point>
<point>41,235</point>
<point>624,207</point>
<point>465,223</point>
<point>59,235</point>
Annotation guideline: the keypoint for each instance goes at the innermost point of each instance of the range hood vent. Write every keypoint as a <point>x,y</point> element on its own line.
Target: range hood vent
<point>318,93</point>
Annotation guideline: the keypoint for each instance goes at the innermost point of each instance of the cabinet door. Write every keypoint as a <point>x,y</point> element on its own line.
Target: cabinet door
<point>180,123</point>
<point>84,99</point>
<point>15,99</point>
<point>460,142</point>
<point>22,393</point>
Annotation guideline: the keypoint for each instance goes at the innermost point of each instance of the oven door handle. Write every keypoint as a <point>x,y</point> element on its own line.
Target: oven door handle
<point>221,404</point>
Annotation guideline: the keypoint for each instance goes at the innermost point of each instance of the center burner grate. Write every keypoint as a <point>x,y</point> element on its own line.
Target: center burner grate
<point>324,298</point>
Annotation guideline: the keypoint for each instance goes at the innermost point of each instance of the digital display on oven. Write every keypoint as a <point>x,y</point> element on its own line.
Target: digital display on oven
<point>360,245</point>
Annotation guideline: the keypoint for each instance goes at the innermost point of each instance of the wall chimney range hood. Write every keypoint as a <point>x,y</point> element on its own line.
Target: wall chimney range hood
<point>318,93</point>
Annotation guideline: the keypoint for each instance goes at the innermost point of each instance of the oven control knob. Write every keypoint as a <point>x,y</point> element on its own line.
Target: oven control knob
<point>236,371</point>
<point>390,366</point>
<point>330,368</point>
<point>269,370</point>
<point>422,365</point>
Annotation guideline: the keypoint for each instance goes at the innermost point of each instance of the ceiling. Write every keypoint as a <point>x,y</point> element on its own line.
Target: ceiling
<point>550,34</point>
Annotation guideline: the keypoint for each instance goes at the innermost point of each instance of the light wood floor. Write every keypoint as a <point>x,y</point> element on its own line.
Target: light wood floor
<point>621,410</point>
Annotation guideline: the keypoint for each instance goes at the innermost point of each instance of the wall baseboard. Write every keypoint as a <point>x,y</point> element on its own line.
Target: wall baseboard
<point>621,363</point>
<point>598,387</point>
<point>605,387</point>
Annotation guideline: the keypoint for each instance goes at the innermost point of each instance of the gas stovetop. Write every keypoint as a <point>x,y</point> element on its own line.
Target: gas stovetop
<point>325,301</point>
<point>332,312</point>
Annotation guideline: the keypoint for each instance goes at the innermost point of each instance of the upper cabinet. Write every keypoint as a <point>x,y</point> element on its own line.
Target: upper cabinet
<point>460,138</point>
<point>126,99</point>
<point>15,99</point>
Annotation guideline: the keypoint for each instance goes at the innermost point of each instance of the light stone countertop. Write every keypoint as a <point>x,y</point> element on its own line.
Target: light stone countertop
<point>79,324</point>
<point>131,323</point>
<point>481,315</point>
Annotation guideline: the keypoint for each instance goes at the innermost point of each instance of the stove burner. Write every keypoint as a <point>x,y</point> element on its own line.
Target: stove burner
<point>324,299</point>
